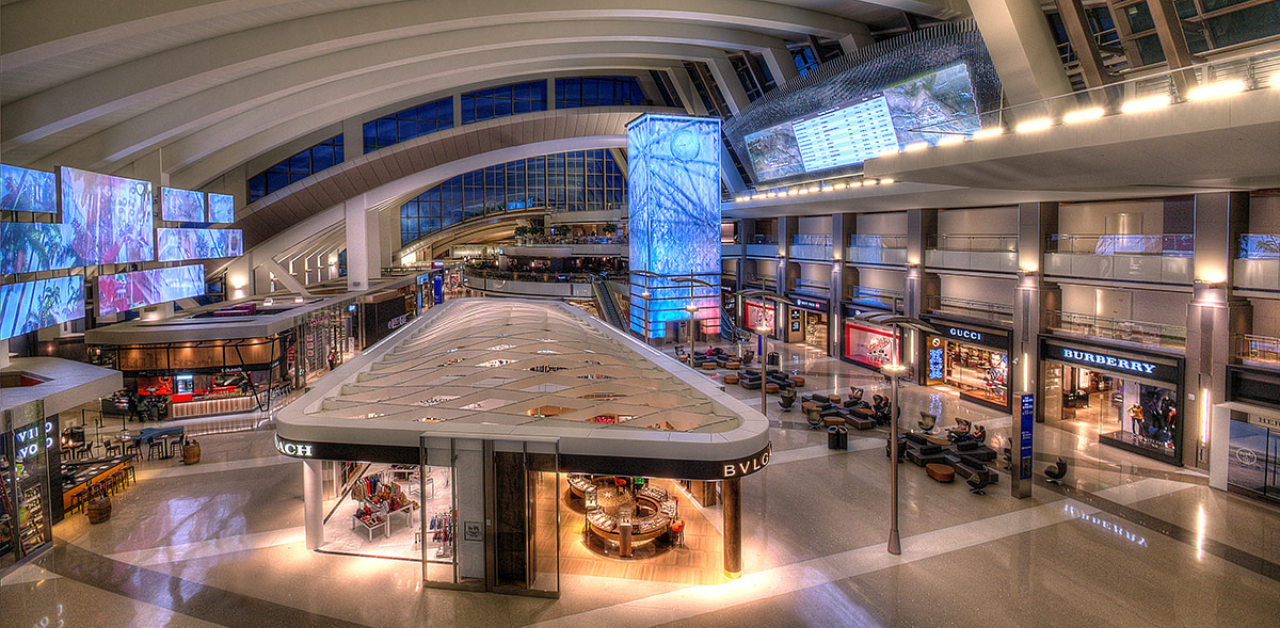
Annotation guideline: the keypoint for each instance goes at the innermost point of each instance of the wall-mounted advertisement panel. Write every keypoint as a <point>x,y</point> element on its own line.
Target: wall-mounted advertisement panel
<point>181,205</point>
<point>111,217</point>
<point>177,245</point>
<point>126,291</point>
<point>25,190</point>
<point>26,307</point>
<point>32,247</point>
<point>222,208</point>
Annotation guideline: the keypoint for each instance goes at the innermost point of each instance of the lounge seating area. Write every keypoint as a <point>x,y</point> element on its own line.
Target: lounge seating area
<point>966,458</point>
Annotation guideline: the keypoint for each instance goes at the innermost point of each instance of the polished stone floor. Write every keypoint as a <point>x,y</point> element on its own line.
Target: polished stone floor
<point>1126,542</point>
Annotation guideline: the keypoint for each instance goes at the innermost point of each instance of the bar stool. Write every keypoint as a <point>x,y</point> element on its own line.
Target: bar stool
<point>130,474</point>
<point>112,445</point>
<point>153,448</point>
<point>175,447</point>
<point>131,445</point>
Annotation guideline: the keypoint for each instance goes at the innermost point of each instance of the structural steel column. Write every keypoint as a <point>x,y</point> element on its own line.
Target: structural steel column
<point>1080,34</point>
<point>921,225</point>
<point>731,492</point>
<point>363,239</point>
<point>1032,297</point>
<point>781,65</point>
<point>1025,55</point>
<point>1174,43</point>
<point>735,96</point>
<point>1214,318</point>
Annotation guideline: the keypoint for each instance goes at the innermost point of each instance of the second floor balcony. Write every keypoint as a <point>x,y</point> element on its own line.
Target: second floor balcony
<point>989,252</point>
<point>1257,350</point>
<point>812,286</point>
<point>813,247</point>
<point>875,297</point>
<point>1167,258</point>
<point>885,250</point>
<point>1257,267</point>
<point>970,309</point>
<point>758,281</point>
<point>1143,333</point>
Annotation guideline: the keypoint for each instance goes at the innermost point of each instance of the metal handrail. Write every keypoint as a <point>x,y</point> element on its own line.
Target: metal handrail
<point>1165,245</point>
<point>1255,348</point>
<point>1140,332</point>
<point>1004,243</point>
<point>1265,246</point>
<point>878,241</point>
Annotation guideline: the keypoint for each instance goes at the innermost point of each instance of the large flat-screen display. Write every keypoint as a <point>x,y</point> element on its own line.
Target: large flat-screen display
<point>25,190</point>
<point>921,87</point>
<point>181,205</point>
<point>111,216</point>
<point>26,307</point>
<point>923,109</point>
<point>126,291</point>
<point>32,247</point>
<point>222,208</point>
<point>177,245</point>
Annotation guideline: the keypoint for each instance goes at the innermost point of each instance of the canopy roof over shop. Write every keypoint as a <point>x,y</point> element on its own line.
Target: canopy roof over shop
<point>488,368</point>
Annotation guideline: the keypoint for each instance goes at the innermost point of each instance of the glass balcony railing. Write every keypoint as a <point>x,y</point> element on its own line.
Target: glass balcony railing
<point>1257,266</point>
<point>812,247</point>
<point>1257,350</point>
<point>813,286</point>
<point>877,249</point>
<point>1166,258</point>
<point>973,252</point>
<point>1137,332</point>
<point>974,310</point>
<point>876,297</point>
<point>764,282</point>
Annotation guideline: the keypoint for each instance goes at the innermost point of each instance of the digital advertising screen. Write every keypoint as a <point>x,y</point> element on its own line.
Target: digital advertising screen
<point>26,307</point>
<point>111,217</point>
<point>222,208</point>
<point>25,190</point>
<point>32,247</point>
<point>127,291</point>
<point>921,87</point>
<point>181,205</point>
<point>177,245</point>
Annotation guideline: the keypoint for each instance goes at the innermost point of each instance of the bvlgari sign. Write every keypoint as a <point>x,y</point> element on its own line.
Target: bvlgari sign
<point>748,465</point>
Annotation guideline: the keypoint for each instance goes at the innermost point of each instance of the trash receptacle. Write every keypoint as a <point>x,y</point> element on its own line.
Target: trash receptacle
<point>842,437</point>
<point>833,437</point>
<point>774,360</point>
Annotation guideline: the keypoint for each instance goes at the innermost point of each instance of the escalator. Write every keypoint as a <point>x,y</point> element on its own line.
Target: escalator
<point>605,302</point>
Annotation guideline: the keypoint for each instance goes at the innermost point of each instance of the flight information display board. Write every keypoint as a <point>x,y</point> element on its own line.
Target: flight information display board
<point>850,133</point>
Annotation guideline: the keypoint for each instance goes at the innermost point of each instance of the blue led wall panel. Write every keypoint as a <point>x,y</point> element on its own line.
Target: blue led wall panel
<point>178,245</point>
<point>222,208</point>
<point>111,217</point>
<point>24,190</point>
<point>126,291</point>
<point>673,219</point>
<point>181,205</point>
<point>26,307</point>
<point>32,247</point>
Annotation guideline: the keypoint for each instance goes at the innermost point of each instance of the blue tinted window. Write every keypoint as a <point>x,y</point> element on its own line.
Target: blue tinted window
<point>322,156</point>
<point>575,181</point>
<point>598,92</point>
<point>497,102</point>
<point>405,125</point>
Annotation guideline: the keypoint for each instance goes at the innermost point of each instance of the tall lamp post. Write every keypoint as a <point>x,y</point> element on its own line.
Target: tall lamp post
<point>691,308</point>
<point>763,330</point>
<point>767,296</point>
<point>894,371</point>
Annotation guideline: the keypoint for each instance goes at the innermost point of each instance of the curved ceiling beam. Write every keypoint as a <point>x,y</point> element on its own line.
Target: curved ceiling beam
<point>36,126</point>
<point>378,178</point>
<point>35,33</point>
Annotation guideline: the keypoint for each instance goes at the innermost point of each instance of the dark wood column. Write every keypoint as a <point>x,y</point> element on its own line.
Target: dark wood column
<point>731,492</point>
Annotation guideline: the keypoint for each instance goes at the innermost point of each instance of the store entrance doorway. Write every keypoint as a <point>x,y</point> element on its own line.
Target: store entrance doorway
<point>1132,414</point>
<point>815,330</point>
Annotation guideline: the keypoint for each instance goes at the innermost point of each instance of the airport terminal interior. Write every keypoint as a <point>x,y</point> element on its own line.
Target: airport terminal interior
<point>553,313</point>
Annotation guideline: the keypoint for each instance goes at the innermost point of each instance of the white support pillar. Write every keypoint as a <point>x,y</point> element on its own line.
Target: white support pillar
<point>4,353</point>
<point>362,244</point>
<point>1022,48</point>
<point>781,65</point>
<point>313,503</point>
<point>352,139</point>
<point>389,230</point>
<point>855,41</point>
<point>551,94</point>
<point>735,96</point>
<point>684,88</point>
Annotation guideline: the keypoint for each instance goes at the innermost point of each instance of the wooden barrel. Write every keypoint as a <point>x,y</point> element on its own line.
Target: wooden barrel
<point>99,509</point>
<point>191,453</point>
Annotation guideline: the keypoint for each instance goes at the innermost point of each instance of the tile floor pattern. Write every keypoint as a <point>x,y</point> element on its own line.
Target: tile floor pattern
<point>1129,542</point>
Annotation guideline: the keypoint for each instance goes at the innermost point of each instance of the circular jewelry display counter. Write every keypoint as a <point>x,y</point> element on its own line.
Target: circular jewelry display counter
<point>623,520</point>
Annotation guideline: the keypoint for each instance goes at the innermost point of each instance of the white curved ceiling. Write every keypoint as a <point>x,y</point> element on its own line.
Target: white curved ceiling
<point>99,84</point>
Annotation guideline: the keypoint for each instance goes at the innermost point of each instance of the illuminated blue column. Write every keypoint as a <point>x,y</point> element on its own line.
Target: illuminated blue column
<point>673,220</point>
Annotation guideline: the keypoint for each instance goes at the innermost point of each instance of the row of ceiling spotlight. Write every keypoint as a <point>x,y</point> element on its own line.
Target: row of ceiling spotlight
<point>814,188</point>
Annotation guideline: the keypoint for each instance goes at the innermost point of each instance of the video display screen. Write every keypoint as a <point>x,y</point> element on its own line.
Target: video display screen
<point>181,205</point>
<point>25,190</point>
<point>32,247</point>
<point>127,291</point>
<point>111,217</point>
<point>177,245</point>
<point>222,208</point>
<point>26,307</point>
<point>919,110</point>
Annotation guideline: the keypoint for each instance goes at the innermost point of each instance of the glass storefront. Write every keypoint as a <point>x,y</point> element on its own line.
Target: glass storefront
<point>975,362</point>
<point>1253,463</point>
<point>26,508</point>
<point>758,313</point>
<point>808,321</point>
<point>1103,392</point>
<point>868,345</point>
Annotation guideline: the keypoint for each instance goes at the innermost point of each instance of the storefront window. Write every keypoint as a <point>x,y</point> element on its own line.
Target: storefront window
<point>380,510</point>
<point>871,346</point>
<point>25,513</point>
<point>978,372</point>
<point>1253,464</point>
<point>1124,411</point>
<point>758,313</point>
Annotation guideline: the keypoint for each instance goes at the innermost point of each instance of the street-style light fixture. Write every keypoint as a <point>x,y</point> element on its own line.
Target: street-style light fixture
<point>691,308</point>
<point>894,371</point>
<point>767,296</point>
<point>763,330</point>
